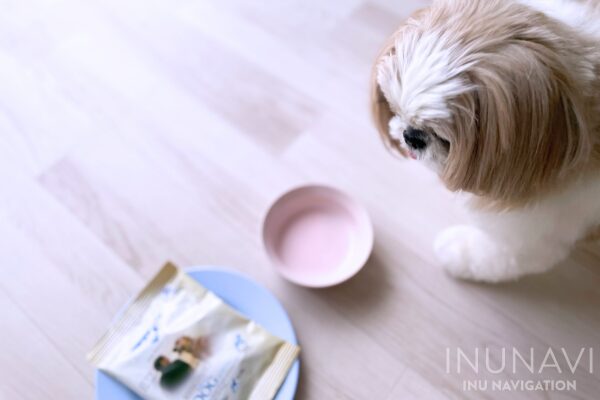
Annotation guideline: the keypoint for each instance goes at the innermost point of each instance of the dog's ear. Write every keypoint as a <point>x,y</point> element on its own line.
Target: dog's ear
<point>521,129</point>
<point>380,108</point>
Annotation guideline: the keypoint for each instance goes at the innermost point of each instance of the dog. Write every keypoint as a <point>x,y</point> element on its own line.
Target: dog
<point>501,98</point>
<point>198,347</point>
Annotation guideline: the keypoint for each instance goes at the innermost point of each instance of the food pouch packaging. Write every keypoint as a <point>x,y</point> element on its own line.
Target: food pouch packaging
<point>177,340</point>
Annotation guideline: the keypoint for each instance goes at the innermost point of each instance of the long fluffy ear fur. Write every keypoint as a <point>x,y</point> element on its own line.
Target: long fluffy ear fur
<point>525,129</point>
<point>527,124</point>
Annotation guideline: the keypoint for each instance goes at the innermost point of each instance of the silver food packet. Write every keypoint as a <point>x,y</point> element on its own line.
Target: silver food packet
<point>177,340</point>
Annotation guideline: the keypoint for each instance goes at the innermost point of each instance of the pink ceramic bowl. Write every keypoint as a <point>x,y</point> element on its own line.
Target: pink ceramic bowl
<point>317,236</point>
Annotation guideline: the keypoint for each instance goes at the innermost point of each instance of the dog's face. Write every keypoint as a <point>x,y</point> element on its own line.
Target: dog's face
<point>488,93</point>
<point>184,343</point>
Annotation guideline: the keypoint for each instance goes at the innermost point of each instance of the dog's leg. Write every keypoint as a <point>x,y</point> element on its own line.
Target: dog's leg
<point>507,245</point>
<point>471,252</point>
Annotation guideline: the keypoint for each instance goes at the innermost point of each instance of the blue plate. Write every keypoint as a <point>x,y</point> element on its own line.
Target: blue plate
<point>250,299</point>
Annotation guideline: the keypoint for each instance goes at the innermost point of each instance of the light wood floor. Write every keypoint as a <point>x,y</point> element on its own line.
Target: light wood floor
<point>135,132</point>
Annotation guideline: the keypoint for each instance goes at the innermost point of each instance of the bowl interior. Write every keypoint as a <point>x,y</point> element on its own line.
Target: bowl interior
<point>317,236</point>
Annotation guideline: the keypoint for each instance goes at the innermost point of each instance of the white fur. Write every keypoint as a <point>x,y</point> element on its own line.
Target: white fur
<point>421,76</point>
<point>569,12</point>
<point>417,81</point>
<point>507,245</point>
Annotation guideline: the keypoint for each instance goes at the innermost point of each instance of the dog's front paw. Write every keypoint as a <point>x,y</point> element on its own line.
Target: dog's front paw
<point>469,253</point>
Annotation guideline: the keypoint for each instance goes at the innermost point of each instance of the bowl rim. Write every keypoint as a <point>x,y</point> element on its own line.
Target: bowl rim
<point>361,259</point>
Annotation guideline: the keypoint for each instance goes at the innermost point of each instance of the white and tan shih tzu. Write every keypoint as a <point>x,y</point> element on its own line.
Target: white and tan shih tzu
<point>502,99</point>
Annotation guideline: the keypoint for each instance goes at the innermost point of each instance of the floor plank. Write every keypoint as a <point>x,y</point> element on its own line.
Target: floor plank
<point>32,367</point>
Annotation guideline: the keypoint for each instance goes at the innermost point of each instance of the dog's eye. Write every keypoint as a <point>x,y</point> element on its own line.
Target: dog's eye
<point>444,142</point>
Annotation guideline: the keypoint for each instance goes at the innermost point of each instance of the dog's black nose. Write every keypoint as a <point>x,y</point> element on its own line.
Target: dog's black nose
<point>415,138</point>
